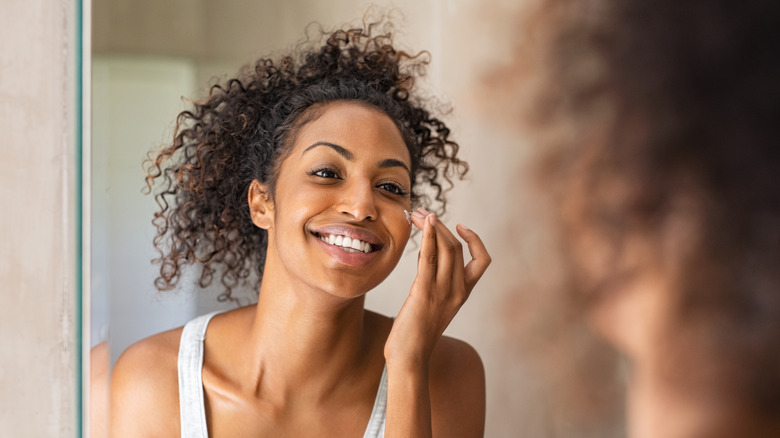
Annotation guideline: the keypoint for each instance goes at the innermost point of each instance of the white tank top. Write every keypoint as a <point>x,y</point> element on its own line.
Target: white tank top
<point>192,408</point>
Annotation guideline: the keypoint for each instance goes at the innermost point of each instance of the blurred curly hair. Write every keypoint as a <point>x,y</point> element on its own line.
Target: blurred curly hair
<point>244,128</point>
<point>659,125</point>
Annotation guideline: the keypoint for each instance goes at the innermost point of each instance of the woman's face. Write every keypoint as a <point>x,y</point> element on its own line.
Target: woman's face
<point>337,215</point>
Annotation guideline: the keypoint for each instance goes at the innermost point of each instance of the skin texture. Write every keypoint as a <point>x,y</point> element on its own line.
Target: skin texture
<point>636,321</point>
<point>307,359</point>
<point>99,370</point>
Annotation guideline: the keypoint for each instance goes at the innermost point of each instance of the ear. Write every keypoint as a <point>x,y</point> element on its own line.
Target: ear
<point>261,206</point>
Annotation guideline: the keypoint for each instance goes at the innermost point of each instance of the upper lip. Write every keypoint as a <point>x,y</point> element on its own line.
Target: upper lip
<point>351,232</point>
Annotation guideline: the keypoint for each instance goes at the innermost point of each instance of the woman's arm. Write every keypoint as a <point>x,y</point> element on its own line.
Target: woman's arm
<point>457,390</point>
<point>422,368</point>
<point>99,364</point>
<point>144,390</point>
<point>447,401</point>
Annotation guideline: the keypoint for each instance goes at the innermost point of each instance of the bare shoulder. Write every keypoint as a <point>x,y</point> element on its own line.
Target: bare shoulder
<point>457,386</point>
<point>144,388</point>
<point>99,365</point>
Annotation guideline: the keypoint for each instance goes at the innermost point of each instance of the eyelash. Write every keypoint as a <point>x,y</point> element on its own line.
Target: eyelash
<point>396,189</point>
<point>317,172</point>
<point>390,187</point>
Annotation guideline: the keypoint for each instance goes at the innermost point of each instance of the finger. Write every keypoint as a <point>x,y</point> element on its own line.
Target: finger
<point>449,275</point>
<point>449,271</point>
<point>418,218</point>
<point>428,258</point>
<point>480,258</point>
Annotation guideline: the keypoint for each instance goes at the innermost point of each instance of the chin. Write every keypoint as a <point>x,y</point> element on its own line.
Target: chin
<point>347,289</point>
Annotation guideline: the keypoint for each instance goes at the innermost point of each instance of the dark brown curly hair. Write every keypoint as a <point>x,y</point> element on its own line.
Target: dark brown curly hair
<point>661,122</point>
<point>244,128</point>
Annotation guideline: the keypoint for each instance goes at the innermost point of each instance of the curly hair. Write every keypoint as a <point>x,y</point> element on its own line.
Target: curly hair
<point>659,115</point>
<point>244,128</point>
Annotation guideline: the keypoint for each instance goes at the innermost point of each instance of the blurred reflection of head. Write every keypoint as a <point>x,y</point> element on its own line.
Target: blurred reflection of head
<point>658,121</point>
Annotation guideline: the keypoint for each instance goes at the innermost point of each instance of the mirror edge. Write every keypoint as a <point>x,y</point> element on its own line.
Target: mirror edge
<point>84,153</point>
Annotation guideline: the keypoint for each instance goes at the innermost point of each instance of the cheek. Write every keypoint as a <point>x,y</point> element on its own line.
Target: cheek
<point>405,233</point>
<point>657,408</point>
<point>295,204</point>
<point>396,224</point>
<point>652,412</point>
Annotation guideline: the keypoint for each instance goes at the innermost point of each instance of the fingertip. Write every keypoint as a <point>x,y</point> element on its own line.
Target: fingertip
<point>432,219</point>
<point>463,230</point>
<point>429,230</point>
<point>418,219</point>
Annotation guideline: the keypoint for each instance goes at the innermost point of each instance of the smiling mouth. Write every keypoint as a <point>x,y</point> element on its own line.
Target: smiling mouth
<point>347,243</point>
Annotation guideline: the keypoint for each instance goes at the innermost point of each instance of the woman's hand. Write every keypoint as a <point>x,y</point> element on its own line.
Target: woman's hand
<point>441,287</point>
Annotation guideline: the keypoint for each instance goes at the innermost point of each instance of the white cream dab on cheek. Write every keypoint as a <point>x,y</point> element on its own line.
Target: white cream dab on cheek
<point>408,217</point>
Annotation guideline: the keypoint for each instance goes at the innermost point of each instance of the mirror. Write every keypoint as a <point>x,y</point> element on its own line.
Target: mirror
<point>149,57</point>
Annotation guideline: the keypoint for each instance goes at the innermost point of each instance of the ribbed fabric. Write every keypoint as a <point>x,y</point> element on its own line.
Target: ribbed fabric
<point>376,424</point>
<point>192,407</point>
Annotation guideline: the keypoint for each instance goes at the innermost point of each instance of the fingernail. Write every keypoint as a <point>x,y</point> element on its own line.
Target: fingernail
<point>423,211</point>
<point>408,217</point>
<point>418,214</point>
<point>432,219</point>
<point>464,227</point>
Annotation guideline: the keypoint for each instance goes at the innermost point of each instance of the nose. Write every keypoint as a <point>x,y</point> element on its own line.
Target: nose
<point>358,201</point>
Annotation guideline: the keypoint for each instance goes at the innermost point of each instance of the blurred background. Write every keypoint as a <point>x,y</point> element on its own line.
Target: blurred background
<point>545,373</point>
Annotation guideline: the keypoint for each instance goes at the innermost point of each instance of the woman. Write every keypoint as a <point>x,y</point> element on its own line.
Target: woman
<point>302,171</point>
<point>660,121</point>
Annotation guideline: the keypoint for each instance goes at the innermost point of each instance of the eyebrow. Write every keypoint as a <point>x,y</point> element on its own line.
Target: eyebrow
<point>384,164</point>
<point>391,162</point>
<point>343,152</point>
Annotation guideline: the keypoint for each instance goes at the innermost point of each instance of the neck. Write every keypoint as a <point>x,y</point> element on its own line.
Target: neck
<point>304,341</point>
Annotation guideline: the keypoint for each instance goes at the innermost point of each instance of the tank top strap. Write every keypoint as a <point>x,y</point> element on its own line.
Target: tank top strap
<point>192,407</point>
<point>376,424</point>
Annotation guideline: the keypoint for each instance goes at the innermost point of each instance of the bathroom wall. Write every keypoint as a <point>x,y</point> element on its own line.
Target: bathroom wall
<point>38,219</point>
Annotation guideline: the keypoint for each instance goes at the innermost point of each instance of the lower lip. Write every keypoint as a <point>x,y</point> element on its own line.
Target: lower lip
<point>348,258</point>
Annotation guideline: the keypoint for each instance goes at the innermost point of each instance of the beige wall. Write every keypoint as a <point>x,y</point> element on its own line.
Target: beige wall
<point>38,366</point>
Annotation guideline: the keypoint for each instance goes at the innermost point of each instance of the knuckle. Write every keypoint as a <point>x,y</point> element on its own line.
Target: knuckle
<point>451,246</point>
<point>431,259</point>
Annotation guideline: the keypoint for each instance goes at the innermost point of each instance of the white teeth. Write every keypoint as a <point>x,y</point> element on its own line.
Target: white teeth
<point>349,244</point>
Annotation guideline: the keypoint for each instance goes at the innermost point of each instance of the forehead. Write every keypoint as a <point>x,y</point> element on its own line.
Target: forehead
<point>363,130</point>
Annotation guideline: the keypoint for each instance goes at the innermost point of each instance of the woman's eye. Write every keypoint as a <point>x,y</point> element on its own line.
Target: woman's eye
<point>324,173</point>
<point>392,188</point>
